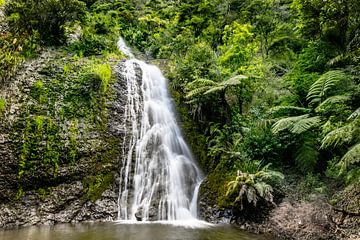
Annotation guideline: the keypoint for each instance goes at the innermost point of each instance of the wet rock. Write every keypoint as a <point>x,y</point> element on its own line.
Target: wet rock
<point>44,197</point>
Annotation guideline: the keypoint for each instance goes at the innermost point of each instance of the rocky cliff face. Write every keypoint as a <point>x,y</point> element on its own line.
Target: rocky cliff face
<point>60,151</point>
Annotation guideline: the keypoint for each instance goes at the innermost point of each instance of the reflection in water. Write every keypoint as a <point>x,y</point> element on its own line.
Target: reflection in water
<point>113,231</point>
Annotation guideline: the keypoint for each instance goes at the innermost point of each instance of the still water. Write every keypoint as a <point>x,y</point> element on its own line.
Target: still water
<point>116,231</point>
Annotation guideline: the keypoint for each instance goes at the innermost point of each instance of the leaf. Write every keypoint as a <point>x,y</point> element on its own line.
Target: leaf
<point>324,84</point>
<point>305,124</point>
<point>350,158</point>
<point>333,100</point>
<point>297,124</point>
<point>355,114</point>
<point>286,123</point>
<point>233,81</point>
<point>288,110</point>
<point>338,137</point>
<point>306,155</point>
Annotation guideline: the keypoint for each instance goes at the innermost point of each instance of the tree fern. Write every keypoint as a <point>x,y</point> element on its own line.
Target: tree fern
<point>332,100</point>
<point>323,85</point>
<point>233,81</point>
<point>305,124</point>
<point>297,124</point>
<point>306,154</point>
<point>205,86</point>
<point>287,110</point>
<point>198,87</point>
<point>338,137</point>
<point>350,158</point>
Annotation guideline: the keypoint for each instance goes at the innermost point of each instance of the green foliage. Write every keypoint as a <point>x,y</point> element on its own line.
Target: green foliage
<point>10,56</point>
<point>40,147</point>
<point>47,17</point>
<point>238,47</point>
<point>253,186</point>
<point>319,89</point>
<point>96,185</point>
<point>99,35</point>
<point>306,154</point>
<point>297,124</point>
<point>2,106</point>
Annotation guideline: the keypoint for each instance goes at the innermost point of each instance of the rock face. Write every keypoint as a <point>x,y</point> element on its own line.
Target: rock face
<point>84,190</point>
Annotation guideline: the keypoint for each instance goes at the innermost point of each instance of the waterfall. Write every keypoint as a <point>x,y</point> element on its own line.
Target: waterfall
<point>159,179</point>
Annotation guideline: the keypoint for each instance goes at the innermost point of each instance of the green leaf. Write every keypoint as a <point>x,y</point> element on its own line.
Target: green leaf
<point>350,158</point>
<point>324,84</point>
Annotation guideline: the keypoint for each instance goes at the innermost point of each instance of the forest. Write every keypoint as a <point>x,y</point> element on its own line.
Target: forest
<point>267,91</point>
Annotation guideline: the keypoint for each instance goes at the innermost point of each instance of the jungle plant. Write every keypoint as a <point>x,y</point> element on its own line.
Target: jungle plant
<point>253,184</point>
<point>47,17</point>
<point>325,96</point>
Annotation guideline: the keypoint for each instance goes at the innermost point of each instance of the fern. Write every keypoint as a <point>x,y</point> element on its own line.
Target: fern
<point>306,155</point>
<point>354,115</point>
<point>338,137</point>
<point>350,158</point>
<point>287,110</point>
<point>333,100</point>
<point>253,186</point>
<point>204,86</point>
<point>297,124</point>
<point>324,84</point>
<point>305,124</point>
<point>233,81</point>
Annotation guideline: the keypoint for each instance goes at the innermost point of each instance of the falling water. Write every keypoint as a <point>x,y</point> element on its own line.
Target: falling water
<point>159,178</point>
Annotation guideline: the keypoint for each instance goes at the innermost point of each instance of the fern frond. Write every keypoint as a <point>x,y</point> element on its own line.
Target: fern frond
<point>197,91</point>
<point>306,155</point>
<point>355,114</point>
<point>305,124</point>
<point>201,82</point>
<point>270,175</point>
<point>338,137</point>
<point>214,89</point>
<point>233,81</point>
<point>287,110</point>
<point>287,123</point>
<point>333,100</point>
<point>325,83</point>
<point>251,195</point>
<point>351,157</point>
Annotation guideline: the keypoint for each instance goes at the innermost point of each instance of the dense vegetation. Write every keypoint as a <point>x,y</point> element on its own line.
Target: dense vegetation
<point>259,83</point>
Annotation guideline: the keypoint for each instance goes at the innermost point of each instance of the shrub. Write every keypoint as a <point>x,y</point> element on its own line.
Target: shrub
<point>47,17</point>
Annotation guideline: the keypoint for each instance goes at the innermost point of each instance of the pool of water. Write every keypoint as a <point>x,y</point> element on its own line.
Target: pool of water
<point>126,231</point>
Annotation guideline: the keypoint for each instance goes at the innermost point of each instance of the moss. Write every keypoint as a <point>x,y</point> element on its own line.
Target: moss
<point>41,148</point>
<point>2,106</point>
<point>96,185</point>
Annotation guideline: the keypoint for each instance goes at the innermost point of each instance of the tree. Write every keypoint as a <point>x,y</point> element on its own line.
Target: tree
<point>47,17</point>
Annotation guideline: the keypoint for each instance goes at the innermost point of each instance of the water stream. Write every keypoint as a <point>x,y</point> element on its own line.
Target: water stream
<point>159,177</point>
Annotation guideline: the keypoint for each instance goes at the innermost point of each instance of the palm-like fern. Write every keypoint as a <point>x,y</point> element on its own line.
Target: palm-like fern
<point>201,87</point>
<point>330,101</point>
<point>354,115</point>
<point>348,135</point>
<point>323,85</point>
<point>297,124</point>
<point>306,153</point>
<point>350,158</point>
<point>339,136</point>
<point>253,186</point>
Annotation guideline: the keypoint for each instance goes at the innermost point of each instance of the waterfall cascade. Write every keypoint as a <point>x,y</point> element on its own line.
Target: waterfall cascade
<point>159,179</point>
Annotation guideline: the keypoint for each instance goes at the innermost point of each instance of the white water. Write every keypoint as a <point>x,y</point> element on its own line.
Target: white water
<point>159,179</point>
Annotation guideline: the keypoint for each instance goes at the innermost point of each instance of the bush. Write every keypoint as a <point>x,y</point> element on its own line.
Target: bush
<point>47,17</point>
